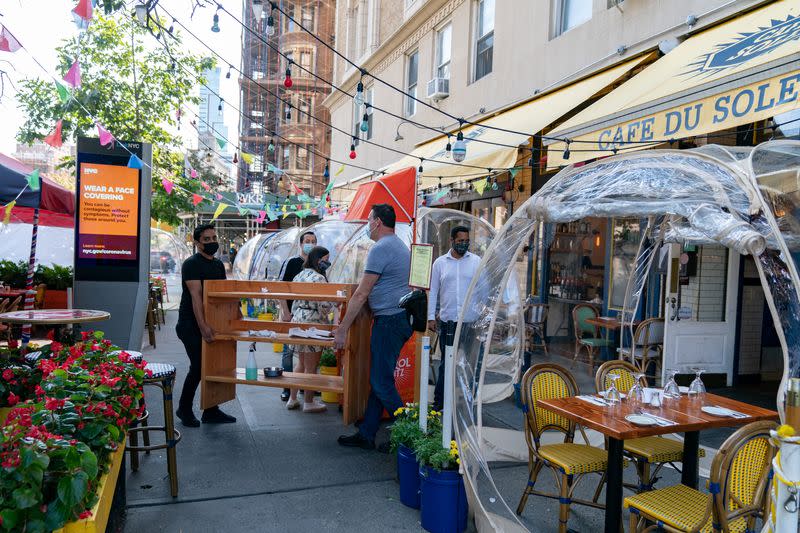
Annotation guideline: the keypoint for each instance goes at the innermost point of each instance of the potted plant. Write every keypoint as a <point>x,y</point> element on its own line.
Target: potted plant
<point>404,433</point>
<point>443,500</point>
<point>328,367</point>
<point>14,274</point>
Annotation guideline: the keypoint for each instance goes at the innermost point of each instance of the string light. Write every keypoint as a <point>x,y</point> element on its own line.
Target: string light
<point>439,187</point>
<point>215,26</point>
<point>171,27</point>
<point>288,112</point>
<point>235,158</point>
<point>271,146</point>
<point>448,150</point>
<point>365,121</point>
<point>494,182</point>
<point>326,173</point>
<point>353,149</point>
<point>287,82</point>
<point>270,22</point>
<point>228,75</point>
<point>359,97</point>
<point>420,169</point>
<point>459,148</point>
<point>219,107</point>
<point>566,150</point>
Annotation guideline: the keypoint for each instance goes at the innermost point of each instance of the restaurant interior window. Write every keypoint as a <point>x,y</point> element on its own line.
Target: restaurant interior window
<point>484,35</point>
<point>443,39</point>
<point>412,76</point>
<point>571,13</point>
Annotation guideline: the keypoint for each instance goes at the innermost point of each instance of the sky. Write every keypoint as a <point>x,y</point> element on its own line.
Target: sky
<point>41,26</point>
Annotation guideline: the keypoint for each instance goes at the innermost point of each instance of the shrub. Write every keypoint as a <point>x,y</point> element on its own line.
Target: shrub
<point>328,358</point>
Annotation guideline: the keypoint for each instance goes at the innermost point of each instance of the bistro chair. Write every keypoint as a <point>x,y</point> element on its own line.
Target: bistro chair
<point>38,300</point>
<point>736,494</point>
<point>568,460</point>
<point>648,343</point>
<point>535,327</point>
<point>587,336</point>
<point>649,454</point>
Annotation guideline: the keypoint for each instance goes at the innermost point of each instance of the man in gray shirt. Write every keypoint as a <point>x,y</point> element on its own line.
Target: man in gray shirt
<point>384,282</point>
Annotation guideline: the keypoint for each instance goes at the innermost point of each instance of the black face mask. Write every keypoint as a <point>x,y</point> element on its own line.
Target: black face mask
<point>323,266</point>
<point>210,248</point>
<point>461,247</point>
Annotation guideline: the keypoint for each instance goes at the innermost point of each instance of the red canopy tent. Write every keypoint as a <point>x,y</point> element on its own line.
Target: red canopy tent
<point>56,204</point>
<point>397,189</point>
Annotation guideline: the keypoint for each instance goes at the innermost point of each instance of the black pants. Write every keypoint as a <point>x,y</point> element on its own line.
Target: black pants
<point>192,340</point>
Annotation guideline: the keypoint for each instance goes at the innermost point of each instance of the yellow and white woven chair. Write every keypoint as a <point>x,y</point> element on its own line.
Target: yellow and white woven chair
<point>736,491</point>
<point>568,460</point>
<point>649,454</point>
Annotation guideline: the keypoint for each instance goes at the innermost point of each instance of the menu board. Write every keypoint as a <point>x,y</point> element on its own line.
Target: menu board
<point>421,266</point>
<point>108,212</point>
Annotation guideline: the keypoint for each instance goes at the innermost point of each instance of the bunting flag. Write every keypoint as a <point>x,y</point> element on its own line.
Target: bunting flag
<point>135,162</point>
<point>270,214</point>
<point>8,43</point>
<point>247,158</point>
<point>297,190</point>
<point>242,211</point>
<point>193,173</point>
<point>272,168</point>
<point>441,194</point>
<point>63,93</point>
<point>196,199</point>
<point>7,216</point>
<point>219,196</point>
<point>261,215</point>
<point>480,185</point>
<point>220,208</point>
<point>513,172</point>
<point>105,136</point>
<point>328,189</point>
<point>33,180</point>
<point>205,186</point>
<point>167,185</point>
<point>54,138</point>
<point>83,13</point>
<point>341,169</point>
<point>73,75</point>
<point>221,143</point>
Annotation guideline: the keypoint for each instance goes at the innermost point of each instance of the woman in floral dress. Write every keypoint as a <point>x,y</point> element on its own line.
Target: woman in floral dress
<point>304,311</point>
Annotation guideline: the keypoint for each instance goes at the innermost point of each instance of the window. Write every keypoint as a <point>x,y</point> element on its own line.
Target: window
<point>257,74</point>
<point>412,74</point>
<point>303,110</point>
<point>288,23</point>
<point>307,17</point>
<point>484,44</point>
<point>257,164</point>
<point>285,162</point>
<point>302,162</point>
<point>368,96</point>
<point>571,13</point>
<point>305,63</point>
<point>443,39</point>
<point>357,110</point>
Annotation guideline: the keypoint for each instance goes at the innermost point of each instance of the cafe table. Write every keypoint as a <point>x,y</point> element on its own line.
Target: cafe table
<point>54,316</point>
<point>688,419</point>
<point>610,324</point>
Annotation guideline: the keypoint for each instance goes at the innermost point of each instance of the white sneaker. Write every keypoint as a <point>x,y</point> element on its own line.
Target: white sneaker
<point>292,404</point>
<point>314,407</point>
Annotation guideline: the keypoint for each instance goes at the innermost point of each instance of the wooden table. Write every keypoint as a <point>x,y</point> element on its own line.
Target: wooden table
<point>690,420</point>
<point>611,323</point>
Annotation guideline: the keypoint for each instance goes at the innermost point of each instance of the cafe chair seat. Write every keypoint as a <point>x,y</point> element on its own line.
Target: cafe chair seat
<point>737,487</point>
<point>587,336</point>
<point>569,461</point>
<point>657,449</point>
<point>595,343</point>
<point>573,458</point>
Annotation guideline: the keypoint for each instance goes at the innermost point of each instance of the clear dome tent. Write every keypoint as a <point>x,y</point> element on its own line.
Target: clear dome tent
<point>744,199</point>
<point>167,251</point>
<point>349,263</point>
<point>246,258</point>
<point>278,249</point>
<point>331,233</point>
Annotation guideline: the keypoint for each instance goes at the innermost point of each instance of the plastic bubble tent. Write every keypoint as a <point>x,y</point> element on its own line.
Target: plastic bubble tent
<point>747,199</point>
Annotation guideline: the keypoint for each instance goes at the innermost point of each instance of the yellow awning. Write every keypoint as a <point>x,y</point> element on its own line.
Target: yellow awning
<point>529,117</point>
<point>743,71</point>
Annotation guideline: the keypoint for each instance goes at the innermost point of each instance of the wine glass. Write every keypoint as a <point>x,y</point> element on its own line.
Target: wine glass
<point>671,389</point>
<point>636,394</point>
<point>612,394</point>
<point>697,388</point>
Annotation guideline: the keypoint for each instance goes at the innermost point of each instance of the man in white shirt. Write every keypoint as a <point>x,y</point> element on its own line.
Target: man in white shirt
<point>451,276</point>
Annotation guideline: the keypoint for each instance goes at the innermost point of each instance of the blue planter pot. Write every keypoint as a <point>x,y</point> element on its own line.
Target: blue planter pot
<point>443,501</point>
<point>408,474</point>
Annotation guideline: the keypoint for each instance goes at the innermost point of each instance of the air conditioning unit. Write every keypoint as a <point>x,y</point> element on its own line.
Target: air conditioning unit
<point>438,88</point>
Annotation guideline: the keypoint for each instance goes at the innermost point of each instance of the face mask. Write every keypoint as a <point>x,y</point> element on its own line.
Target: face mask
<point>461,247</point>
<point>307,248</point>
<point>323,266</point>
<point>210,248</point>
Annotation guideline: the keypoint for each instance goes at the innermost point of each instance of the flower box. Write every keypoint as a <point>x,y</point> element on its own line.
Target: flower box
<point>105,490</point>
<point>54,299</point>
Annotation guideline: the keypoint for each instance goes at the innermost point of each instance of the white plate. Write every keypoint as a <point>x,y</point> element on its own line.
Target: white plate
<point>716,411</point>
<point>641,420</point>
<point>604,392</point>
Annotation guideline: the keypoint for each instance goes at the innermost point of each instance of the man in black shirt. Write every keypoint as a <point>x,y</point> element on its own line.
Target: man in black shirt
<point>192,327</point>
<point>290,268</point>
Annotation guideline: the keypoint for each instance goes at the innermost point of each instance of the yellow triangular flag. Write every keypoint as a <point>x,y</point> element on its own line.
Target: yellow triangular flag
<point>9,207</point>
<point>341,169</point>
<point>247,158</point>
<point>220,208</point>
<point>480,185</point>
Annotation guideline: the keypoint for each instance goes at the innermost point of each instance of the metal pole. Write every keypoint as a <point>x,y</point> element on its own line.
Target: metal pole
<point>423,383</point>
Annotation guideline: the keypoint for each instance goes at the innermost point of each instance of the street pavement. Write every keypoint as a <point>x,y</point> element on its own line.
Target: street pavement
<point>280,470</point>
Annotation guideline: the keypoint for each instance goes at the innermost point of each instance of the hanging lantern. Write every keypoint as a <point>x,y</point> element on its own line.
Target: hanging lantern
<point>459,148</point>
<point>215,26</point>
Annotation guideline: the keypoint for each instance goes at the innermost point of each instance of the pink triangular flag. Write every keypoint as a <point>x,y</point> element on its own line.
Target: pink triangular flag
<point>8,43</point>
<point>84,10</point>
<point>73,75</point>
<point>167,185</point>
<point>219,196</point>
<point>196,199</point>
<point>193,173</point>
<point>261,215</point>
<point>105,135</point>
<point>205,186</point>
<point>54,139</point>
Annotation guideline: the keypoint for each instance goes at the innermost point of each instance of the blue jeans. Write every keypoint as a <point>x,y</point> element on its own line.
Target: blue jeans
<point>287,359</point>
<point>389,334</point>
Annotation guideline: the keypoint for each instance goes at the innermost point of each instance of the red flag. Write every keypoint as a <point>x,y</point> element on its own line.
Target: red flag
<point>73,75</point>
<point>196,199</point>
<point>84,10</point>
<point>8,43</point>
<point>54,139</point>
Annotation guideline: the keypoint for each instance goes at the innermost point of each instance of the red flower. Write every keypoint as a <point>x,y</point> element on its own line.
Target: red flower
<point>86,514</point>
<point>13,399</point>
<point>56,347</point>
<point>8,374</point>
<point>51,334</point>
<point>13,344</point>
<point>39,390</point>
<point>84,335</point>
<point>53,403</point>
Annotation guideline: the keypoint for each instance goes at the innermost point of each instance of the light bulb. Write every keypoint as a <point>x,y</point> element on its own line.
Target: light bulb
<point>359,97</point>
<point>270,26</point>
<point>326,173</point>
<point>448,150</point>
<point>171,27</point>
<point>271,146</point>
<point>228,75</point>
<point>420,169</point>
<point>352,151</point>
<point>215,26</point>
<point>459,148</point>
<point>289,114</point>
<point>566,152</point>
<point>219,107</point>
<point>287,82</point>
<point>365,123</point>
<point>494,184</point>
